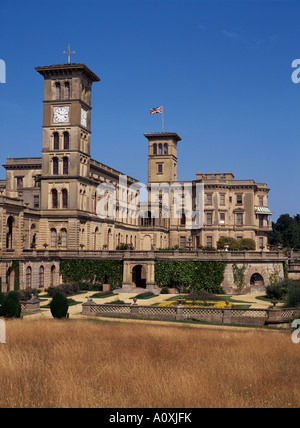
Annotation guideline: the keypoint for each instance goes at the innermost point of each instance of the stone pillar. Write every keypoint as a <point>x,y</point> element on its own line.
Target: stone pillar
<point>179,313</point>
<point>150,278</point>
<point>226,316</point>
<point>127,280</point>
<point>86,307</point>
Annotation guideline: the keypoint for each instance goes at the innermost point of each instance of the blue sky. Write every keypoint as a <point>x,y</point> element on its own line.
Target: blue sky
<point>221,69</point>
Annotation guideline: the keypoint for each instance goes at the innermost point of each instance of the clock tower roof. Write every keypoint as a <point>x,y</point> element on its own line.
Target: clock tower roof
<point>66,69</point>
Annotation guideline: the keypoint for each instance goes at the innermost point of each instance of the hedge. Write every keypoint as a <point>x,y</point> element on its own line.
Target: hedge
<point>92,271</point>
<point>197,275</point>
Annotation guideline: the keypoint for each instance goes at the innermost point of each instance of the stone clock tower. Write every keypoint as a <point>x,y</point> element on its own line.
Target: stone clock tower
<point>66,133</point>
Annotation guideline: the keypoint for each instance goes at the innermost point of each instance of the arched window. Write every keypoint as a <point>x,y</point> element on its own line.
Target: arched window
<point>64,198</point>
<point>58,91</point>
<point>66,141</point>
<point>53,270</point>
<point>55,166</point>
<point>183,219</point>
<point>53,238</point>
<point>67,91</point>
<point>65,166</point>
<point>28,277</point>
<point>147,218</point>
<point>96,238</point>
<point>54,198</point>
<point>155,149</point>
<point>41,277</point>
<point>64,238</point>
<point>56,141</point>
<point>9,233</point>
<point>160,149</point>
<point>165,149</point>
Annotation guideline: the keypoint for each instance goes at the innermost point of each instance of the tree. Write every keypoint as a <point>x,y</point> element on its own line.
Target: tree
<point>286,232</point>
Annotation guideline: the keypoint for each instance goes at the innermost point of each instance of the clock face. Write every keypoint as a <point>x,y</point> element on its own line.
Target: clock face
<point>83,117</point>
<point>60,114</point>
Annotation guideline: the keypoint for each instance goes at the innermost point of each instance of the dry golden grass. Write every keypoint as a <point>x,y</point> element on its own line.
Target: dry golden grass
<point>50,363</point>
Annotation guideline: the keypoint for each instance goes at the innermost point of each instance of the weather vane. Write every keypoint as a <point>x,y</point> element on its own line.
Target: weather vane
<point>69,52</point>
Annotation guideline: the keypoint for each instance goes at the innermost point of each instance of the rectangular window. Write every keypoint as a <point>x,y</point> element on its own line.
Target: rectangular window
<point>53,238</point>
<point>239,219</point>
<point>160,168</point>
<point>19,183</point>
<point>222,199</point>
<point>36,202</point>
<point>222,218</point>
<point>182,241</point>
<point>261,242</point>
<point>239,199</point>
<point>209,241</point>
<point>239,238</point>
<point>261,220</point>
<point>41,277</point>
<point>209,198</point>
<point>261,201</point>
<point>209,218</point>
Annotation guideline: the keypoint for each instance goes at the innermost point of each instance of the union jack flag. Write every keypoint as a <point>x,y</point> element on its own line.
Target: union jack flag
<point>156,110</point>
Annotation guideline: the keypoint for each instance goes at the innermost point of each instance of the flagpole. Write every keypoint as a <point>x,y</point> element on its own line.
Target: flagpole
<point>162,119</point>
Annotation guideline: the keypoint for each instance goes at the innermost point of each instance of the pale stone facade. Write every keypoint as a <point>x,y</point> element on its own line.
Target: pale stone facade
<point>50,203</point>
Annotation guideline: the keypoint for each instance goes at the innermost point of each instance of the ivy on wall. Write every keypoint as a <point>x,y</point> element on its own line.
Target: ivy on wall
<point>239,276</point>
<point>110,271</point>
<point>198,275</point>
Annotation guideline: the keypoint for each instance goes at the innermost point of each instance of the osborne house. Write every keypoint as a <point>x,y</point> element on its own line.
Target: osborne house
<point>66,205</point>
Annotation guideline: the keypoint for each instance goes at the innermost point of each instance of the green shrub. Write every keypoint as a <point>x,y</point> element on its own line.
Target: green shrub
<point>59,306</point>
<point>165,290</point>
<point>146,295</point>
<point>232,243</point>
<point>2,296</point>
<point>103,294</point>
<point>89,286</point>
<point>274,291</point>
<point>67,289</point>
<point>10,306</point>
<point>116,302</point>
<point>279,290</point>
<point>27,293</point>
<point>293,296</point>
<point>246,244</point>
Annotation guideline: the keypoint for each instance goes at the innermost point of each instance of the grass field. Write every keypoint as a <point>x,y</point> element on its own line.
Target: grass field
<point>81,363</point>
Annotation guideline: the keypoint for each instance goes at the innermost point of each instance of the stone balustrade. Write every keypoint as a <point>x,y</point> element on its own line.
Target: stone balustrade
<point>227,315</point>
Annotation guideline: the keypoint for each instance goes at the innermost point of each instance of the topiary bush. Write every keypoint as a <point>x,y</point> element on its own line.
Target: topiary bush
<point>59,306</point>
